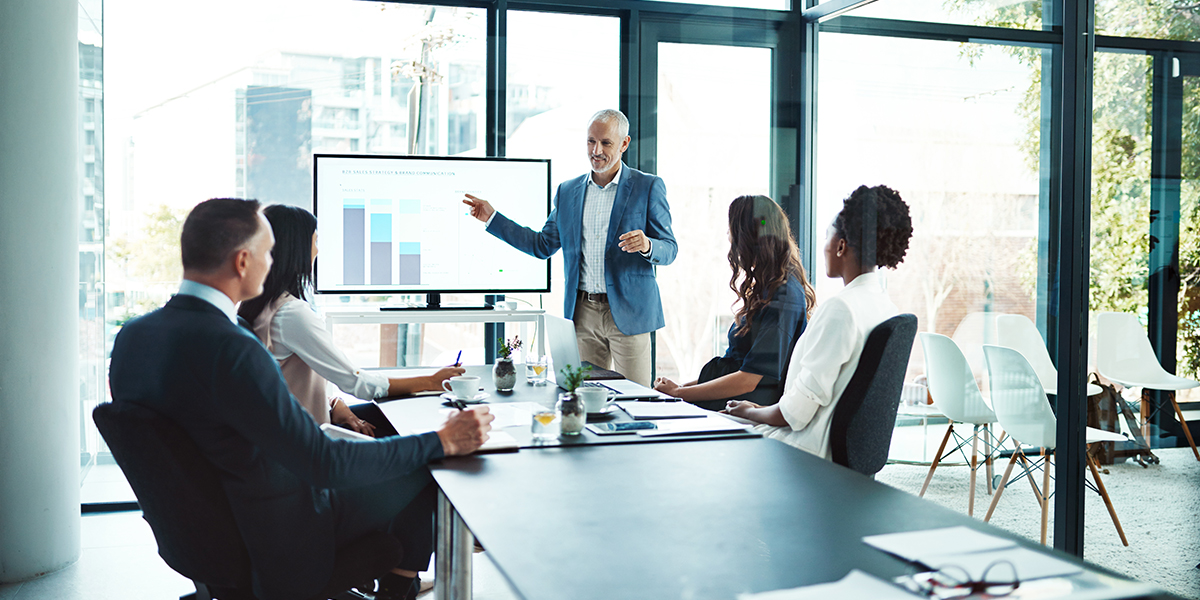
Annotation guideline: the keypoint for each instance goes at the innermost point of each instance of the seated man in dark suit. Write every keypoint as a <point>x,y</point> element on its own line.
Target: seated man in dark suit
<point>297,495</point>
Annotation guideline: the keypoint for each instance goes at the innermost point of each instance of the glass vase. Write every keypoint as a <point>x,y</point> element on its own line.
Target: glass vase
<point>504,375</point>
<point>574,414</point>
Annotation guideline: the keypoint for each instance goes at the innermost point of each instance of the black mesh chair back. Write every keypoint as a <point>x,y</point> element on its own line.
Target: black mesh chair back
<point>861,429</point>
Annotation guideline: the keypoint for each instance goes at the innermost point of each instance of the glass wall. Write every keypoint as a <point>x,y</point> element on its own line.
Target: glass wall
<point>243,117</point>
<point>562,69</point>
<point>1018,14</point>
<point>714,120</point>
<point>93,374</point>
<point>955,130</point>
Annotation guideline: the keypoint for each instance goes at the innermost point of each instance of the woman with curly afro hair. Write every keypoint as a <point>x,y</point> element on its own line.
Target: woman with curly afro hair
<point>871,231</point>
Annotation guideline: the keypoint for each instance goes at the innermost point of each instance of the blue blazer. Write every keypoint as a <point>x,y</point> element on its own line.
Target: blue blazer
<point>190,363</point>
<point>641,203</point>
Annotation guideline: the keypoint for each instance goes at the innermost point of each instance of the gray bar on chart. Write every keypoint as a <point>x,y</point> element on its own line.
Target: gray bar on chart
<point>381,263</point>
<point>410,269</point>
<point>354,252</point>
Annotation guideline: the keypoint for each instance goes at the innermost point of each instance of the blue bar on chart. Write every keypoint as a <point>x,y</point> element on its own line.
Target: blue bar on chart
<point>354,242</point>
<point>381,242</point>
<point>408,231</point>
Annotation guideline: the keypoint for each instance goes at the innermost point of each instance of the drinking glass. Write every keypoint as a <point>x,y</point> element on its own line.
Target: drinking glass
<point>547,423</point>
<point>535,369</point>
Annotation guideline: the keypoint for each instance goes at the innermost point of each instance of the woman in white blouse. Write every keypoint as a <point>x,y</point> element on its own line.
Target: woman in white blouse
<point>872,230</point>
<point>296,336</point>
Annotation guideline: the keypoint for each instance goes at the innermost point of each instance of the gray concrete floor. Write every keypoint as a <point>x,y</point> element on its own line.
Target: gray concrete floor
<point>120,561</point>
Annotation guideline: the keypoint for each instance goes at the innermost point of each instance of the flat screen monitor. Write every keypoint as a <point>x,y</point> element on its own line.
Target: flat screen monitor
<point>397,224</point>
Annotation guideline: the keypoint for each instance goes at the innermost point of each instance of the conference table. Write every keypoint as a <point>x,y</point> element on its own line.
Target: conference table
<point>691,519</point>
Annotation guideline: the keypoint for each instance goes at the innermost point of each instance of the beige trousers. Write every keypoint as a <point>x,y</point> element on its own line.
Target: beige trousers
<point>602,344</point>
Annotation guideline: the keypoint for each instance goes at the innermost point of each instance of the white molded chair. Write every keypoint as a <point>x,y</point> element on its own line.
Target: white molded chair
<point>1020,334</point>
<point>1020,404</point>
<point>955,393</point>
<point>1124,355</point>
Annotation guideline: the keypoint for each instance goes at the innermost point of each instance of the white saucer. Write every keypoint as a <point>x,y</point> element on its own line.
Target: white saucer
<point>479,398</point>
<point>607,409</point>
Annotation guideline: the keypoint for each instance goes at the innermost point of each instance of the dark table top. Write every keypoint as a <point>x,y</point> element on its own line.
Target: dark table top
<point>692,520</point>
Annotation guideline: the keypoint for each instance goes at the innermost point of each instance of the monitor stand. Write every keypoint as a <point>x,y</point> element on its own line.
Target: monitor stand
<point>433,301</point>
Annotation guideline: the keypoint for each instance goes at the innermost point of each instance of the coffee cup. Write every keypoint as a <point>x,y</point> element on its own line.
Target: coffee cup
<point>595,399</point>
<point>464,387</point>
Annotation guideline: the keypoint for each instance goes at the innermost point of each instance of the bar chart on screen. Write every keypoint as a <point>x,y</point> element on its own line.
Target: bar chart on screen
<point>397,224</point>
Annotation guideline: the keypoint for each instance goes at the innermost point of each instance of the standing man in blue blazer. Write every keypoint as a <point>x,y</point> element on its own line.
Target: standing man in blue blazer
<point>613,226</point>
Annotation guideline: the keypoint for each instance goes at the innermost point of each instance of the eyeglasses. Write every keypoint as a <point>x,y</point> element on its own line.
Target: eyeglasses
<point>998,580</point>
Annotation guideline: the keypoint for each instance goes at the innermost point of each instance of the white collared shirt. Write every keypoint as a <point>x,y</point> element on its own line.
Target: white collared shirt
<point>825,359</point>
<point>597,211</point>
<point>210,295</point>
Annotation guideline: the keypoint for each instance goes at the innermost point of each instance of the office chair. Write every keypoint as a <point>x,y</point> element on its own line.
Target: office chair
<point>1020,404</point>
<point>860,431</point>
<point>1124,355</point>
<point>1020,334</point>
<point>182,499</point>
<point>955,393</point>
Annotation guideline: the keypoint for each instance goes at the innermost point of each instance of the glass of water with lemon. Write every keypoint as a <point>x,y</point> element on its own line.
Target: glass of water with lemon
<point>535,369</point>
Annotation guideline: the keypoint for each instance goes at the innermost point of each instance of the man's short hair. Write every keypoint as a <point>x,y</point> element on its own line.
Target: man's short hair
<point>609,114</point>
<point>215,229</point>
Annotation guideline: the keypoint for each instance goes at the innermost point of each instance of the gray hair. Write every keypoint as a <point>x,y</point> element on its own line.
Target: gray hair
<point>609,114</point>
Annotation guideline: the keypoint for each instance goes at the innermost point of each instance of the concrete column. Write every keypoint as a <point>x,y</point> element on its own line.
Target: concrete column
<point>39,299</point>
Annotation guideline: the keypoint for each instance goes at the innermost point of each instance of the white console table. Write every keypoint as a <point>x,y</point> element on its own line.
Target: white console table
<point>363,314</point>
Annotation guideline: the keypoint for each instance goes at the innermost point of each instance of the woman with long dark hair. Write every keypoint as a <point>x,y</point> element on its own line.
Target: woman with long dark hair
<point>872,230</point>
<point>774,299</point>
<point>296,336</point>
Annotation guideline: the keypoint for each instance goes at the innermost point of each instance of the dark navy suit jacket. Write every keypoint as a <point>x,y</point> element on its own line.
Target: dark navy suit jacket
<point>190,363</point>
<point>641,203</point>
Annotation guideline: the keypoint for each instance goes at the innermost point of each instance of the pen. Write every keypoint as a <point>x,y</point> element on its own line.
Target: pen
<point>458,361</point>
<point>459,404</point>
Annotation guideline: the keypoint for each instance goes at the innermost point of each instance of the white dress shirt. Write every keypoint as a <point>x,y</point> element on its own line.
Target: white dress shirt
<point>298,329</point>
<point>825,359</point>
<point>211,295</point>
<point>597,211</point>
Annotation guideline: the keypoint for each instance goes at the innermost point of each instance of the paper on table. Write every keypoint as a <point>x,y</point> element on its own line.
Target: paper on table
<point>856,585</point>
<point>499,441</point>
<point>662,410</point>
<point>406,372</point>
<point>513,414</point>
<point>711,424</point>
<point>341,433</point>
<point>919,545</point>
<point>1028,564</point>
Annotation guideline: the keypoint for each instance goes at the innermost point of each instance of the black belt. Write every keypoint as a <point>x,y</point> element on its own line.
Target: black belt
<point>601,298</point>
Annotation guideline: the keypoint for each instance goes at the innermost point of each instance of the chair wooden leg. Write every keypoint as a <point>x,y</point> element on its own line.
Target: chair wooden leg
<point>1029,477</point>
<point>991,451</point>
<point>936,459</point>
<point>1145,410</point>
<point>1000,488</point>
<point>1112,512</point>
<point>1182,423</point>
<point>974,466</point>
<point>1045,492</point>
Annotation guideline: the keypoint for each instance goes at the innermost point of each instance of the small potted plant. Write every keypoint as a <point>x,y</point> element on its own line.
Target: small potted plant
<point>574,413</point>
<point>504,375</point>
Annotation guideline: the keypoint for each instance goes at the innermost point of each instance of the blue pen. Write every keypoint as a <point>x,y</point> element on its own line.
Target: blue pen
<point>458,361</point>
